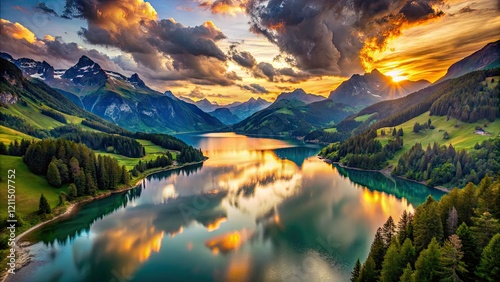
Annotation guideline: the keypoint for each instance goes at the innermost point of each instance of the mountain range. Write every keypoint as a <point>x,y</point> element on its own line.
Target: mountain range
<point>130,103</point>
<point>373,87</point>
<point>293,117</point>
<point>301,95</point>
<point>126,101</point>
<point>240,110</point>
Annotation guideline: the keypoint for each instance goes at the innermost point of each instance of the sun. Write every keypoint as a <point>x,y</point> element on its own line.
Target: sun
<point>396,75</point>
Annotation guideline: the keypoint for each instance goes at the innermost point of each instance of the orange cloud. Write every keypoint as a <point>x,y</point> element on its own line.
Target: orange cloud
<point>17,31</point>
<point>230,7</point>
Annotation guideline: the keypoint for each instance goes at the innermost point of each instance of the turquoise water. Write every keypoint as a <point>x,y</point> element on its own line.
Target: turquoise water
<point>258,210</point>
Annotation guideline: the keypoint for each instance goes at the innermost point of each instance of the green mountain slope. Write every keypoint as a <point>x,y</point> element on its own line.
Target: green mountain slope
<point>476,89</point>
<point>462,113</point>
<point>486,58</point>
<point>125,101</point>
<point>293,118</point>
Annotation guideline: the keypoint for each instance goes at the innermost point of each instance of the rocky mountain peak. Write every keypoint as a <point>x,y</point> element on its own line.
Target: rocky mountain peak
<point>136,80</point>
<point>86,72</point>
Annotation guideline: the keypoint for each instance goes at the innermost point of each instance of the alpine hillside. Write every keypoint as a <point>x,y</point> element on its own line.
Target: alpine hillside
<point>125,101</point>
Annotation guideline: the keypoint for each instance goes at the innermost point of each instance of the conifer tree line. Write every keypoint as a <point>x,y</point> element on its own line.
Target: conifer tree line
<point>64,161</point>
<point>55,115</point>
<point>122,145</point>
<point>438,165</point>
<point>364,151</point>
<point>160,161</point>
<point>454,239</point>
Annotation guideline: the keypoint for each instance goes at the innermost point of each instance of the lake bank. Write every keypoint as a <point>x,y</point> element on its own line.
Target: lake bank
<point>387,173</point>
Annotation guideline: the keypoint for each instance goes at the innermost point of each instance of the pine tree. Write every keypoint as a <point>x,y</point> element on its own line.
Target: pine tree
<point>489,267</point>
<point>80,183</point>
<point>407,274</point>
<point>377,251</point>
<point>368,272</point>
<point>394,133</point>
<point>125,176</point>
<point>452,221</point>
<point>392,268</point>
<point>427,224</point>
<point>74,168</point>
<point>388,231</point>
<point>470,250</point>
<point>451,260</point>
<point>43,206</point>
<point>428,265</point>
<point>53,176</point>
<point>90,186</point>
<point>485,227</point>
<point>407,253</point>
<point>459,172</point>
<point>72,192</point>
<point>404,226</point>
<point>356,271</point>
<point>467,202</point>
<point>400,132</point>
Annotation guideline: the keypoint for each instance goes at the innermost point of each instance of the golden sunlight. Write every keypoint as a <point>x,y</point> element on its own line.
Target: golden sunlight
<point>396,75</point>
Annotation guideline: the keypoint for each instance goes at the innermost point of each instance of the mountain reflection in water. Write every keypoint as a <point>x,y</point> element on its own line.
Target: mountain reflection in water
<point>258,210</point>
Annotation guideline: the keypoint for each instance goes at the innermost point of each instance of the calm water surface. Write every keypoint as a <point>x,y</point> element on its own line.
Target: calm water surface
<point>258,210</point>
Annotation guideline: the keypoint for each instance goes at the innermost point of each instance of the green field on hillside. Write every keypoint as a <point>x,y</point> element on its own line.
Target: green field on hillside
<point>28,185</point>
<point>8,135</point>
<point>461,135</point>
<point>32,114</point>
<point>152,151</point>
<point>330,130</point>
<point>363,117</point>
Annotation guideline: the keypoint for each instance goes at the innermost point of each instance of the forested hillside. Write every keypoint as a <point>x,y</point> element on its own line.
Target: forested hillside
<point>293,118</point>
<point>466,114</point>
<point>474,92</point>
<point>454,239</point>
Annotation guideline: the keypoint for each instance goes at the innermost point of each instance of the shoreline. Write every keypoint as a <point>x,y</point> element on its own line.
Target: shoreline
<point>387,173</point>
<point>24,258</point>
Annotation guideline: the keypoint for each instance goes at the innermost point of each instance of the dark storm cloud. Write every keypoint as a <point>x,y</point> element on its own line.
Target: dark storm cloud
<point>174,39</point>
<point>254,88</point>
<point>172,50</point>
<point>42,8</point>
<point>420,10</point>
<point>242,58</point>
<point>326,37</point>
<point>265,70</point>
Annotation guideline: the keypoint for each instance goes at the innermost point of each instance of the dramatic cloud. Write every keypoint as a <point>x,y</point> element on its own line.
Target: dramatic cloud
<point>265,70</point>
<point>172,50</point>
<point>19,41</point>
<point>243,58</point>
<point>231,7</point>
<point>330,37</point>
<point>16,31</point>
<point>255,88</point>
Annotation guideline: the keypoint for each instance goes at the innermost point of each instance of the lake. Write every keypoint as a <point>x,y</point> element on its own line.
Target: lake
<point>258,209</point>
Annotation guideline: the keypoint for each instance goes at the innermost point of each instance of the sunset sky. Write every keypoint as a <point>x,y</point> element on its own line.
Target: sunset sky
<point>231,50</point>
